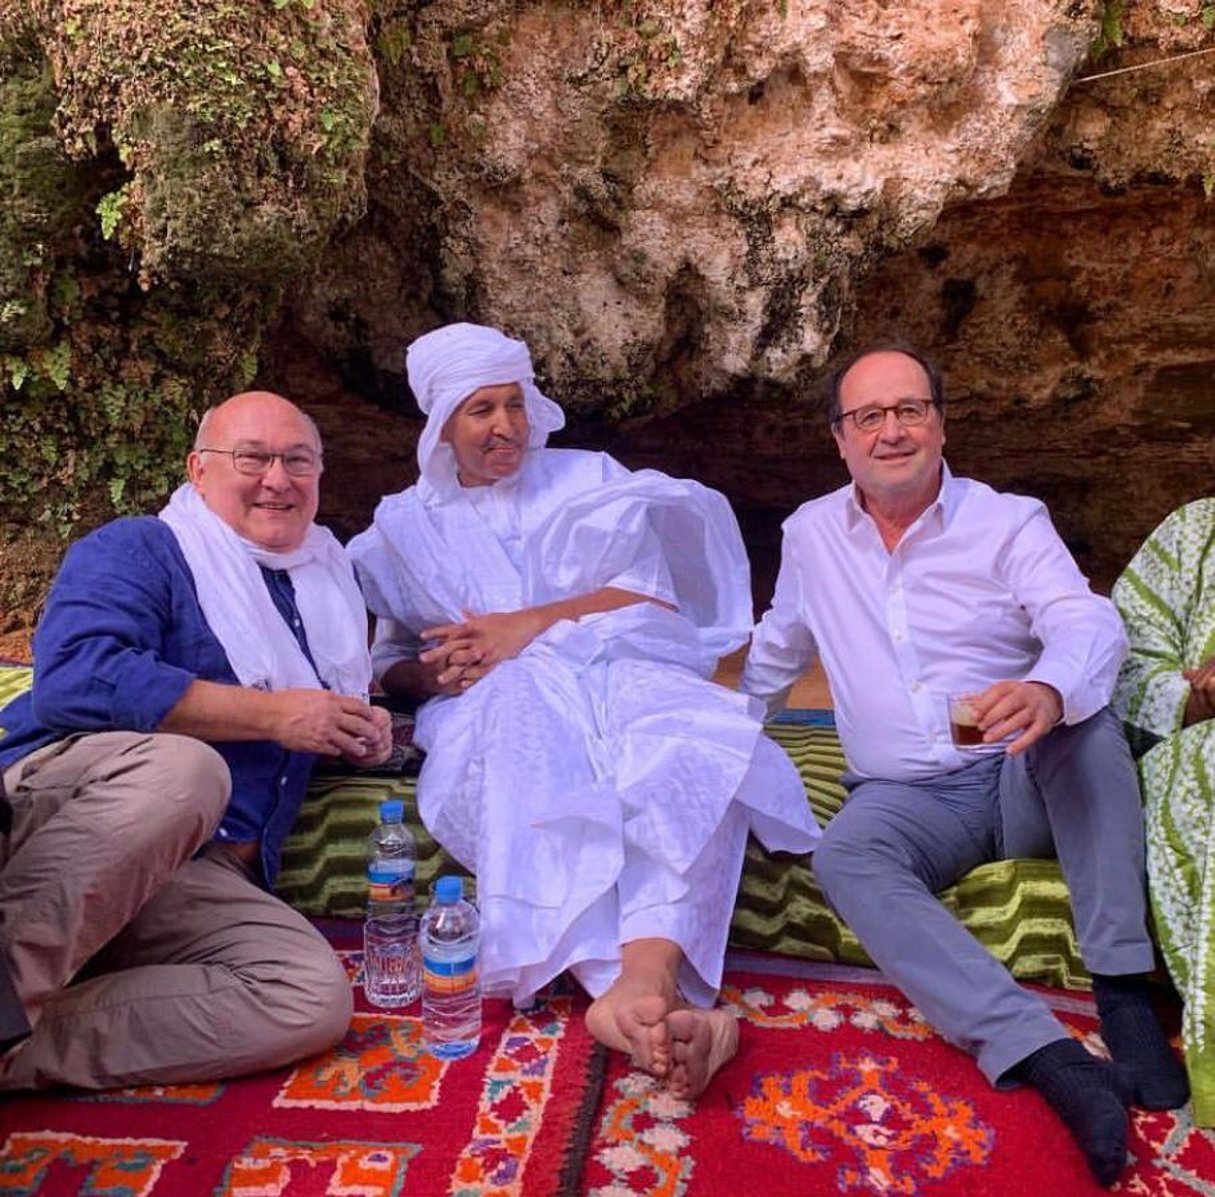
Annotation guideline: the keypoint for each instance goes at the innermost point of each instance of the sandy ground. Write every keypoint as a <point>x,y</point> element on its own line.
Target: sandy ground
<point>810,691</point>
<point>15,646</point>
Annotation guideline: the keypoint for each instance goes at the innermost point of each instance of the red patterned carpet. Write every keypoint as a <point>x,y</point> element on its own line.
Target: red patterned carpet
<point>376,1117</point>
<point>838,1087</point>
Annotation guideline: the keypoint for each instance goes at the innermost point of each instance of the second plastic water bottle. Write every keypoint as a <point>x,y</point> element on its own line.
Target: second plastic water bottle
<point>451,986</point>
<point>391,973</point>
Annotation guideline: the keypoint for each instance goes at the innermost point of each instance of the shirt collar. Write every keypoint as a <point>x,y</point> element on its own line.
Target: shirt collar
<point>940,510</point>
<point>948,497</point>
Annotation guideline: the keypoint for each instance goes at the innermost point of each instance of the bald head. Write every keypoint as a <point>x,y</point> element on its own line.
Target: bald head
<point>256,463</point>
<point>257,402</point>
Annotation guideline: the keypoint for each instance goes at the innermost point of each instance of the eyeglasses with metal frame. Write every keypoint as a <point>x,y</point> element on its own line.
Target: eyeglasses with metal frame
<point>298,463</point>
<point>871,417</point>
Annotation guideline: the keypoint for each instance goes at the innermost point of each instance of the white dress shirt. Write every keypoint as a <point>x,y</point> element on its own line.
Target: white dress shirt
<point>980,589</point>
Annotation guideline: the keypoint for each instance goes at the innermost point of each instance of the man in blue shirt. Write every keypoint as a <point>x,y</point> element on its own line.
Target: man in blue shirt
<point>188,670</point>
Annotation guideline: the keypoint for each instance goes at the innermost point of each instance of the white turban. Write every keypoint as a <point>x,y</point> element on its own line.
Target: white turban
<point>448,365</point>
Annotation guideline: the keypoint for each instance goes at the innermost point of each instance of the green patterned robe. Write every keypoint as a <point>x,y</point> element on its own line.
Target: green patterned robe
<point>1167,599</point>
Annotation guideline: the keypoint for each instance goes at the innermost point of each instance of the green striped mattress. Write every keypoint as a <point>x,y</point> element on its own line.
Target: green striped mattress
<point>13,680</point>
<point>1018,908</point>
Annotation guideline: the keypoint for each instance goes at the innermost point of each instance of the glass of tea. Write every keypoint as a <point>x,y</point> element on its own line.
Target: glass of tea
<point>963,722</point>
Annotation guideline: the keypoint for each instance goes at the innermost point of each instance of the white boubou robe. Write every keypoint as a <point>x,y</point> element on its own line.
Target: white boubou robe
<point>599,786</point>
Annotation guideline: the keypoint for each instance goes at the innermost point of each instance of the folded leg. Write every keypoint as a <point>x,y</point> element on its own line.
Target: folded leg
<point>213,978</point>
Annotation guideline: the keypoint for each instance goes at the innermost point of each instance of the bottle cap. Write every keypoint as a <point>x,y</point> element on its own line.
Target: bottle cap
<point>392,811</point>
<point>449,890</point>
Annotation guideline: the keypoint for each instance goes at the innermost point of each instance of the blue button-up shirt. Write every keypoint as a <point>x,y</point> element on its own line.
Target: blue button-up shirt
<point>119,643</point>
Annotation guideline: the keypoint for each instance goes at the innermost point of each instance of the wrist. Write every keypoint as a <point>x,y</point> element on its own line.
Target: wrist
<point>265,712</point>
<point>1056,702</point>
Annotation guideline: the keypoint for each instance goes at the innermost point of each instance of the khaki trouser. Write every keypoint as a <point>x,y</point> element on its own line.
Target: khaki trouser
<point>135,962</point>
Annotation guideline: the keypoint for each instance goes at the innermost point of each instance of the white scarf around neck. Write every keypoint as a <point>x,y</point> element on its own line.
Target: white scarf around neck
<point>239,610</point>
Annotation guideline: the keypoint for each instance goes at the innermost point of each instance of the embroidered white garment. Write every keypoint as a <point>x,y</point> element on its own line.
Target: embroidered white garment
<point>260,647</point>
<point>585,522</point>
<point>598,785</point>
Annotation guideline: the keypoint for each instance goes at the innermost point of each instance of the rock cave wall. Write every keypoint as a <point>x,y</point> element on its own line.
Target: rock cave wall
<point>691,210</point>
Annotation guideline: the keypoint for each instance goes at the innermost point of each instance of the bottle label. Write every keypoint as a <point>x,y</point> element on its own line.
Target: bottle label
<point>449,976</point>
<point>399,890</point>
<point>390,881</point>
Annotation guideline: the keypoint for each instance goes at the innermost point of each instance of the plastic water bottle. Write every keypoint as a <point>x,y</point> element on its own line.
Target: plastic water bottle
<point>451,985</point>
<point>391,966</point>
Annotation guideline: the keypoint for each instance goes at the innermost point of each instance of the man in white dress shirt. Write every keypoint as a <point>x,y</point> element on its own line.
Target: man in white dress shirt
<point>911,584</point>
<point>558,617</point>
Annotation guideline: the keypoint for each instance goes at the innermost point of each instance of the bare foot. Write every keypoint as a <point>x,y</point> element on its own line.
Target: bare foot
<point>701,1042</point>
<point>634,1022</point>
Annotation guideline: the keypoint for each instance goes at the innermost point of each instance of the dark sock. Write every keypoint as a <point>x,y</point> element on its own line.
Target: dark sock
<point>1136,1040</point>
<point>1087,1093</point>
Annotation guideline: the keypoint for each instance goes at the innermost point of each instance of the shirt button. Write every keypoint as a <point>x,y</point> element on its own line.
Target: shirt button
<point>915,687</point>
<point>282,781</point>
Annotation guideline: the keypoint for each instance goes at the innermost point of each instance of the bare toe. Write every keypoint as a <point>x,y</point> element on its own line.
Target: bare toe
<point>635,1025</point>
<point>701,1042</point>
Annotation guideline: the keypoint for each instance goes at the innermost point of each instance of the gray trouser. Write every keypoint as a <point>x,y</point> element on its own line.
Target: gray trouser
<point>894,845</point>
<point>135,963</point>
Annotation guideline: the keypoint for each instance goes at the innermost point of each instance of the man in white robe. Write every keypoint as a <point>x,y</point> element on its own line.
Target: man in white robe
<point>560,617</point>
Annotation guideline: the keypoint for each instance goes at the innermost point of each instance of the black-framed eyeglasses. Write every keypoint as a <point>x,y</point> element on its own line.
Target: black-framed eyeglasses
<point>871,417</point>
<point>299,463</point>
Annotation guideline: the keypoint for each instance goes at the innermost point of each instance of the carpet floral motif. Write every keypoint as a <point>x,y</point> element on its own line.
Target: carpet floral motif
<point>826,1010</point>
<point>126,1167</point>
<point>840,1088</point>
<point>204,1094</point>
<point>375,1116</point>
<point>518,1085</point>
<point>885,1135</point>
<point>1173,1156</point>
<point>381,1065</point>
<point>646,1149</point>
<point>272,1167</point>
<point>890,1134</point>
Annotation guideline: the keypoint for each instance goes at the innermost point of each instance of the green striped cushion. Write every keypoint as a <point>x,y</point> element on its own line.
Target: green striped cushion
<point>14,680</point>
<point>1018,908</point>
<point>325,857</point>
